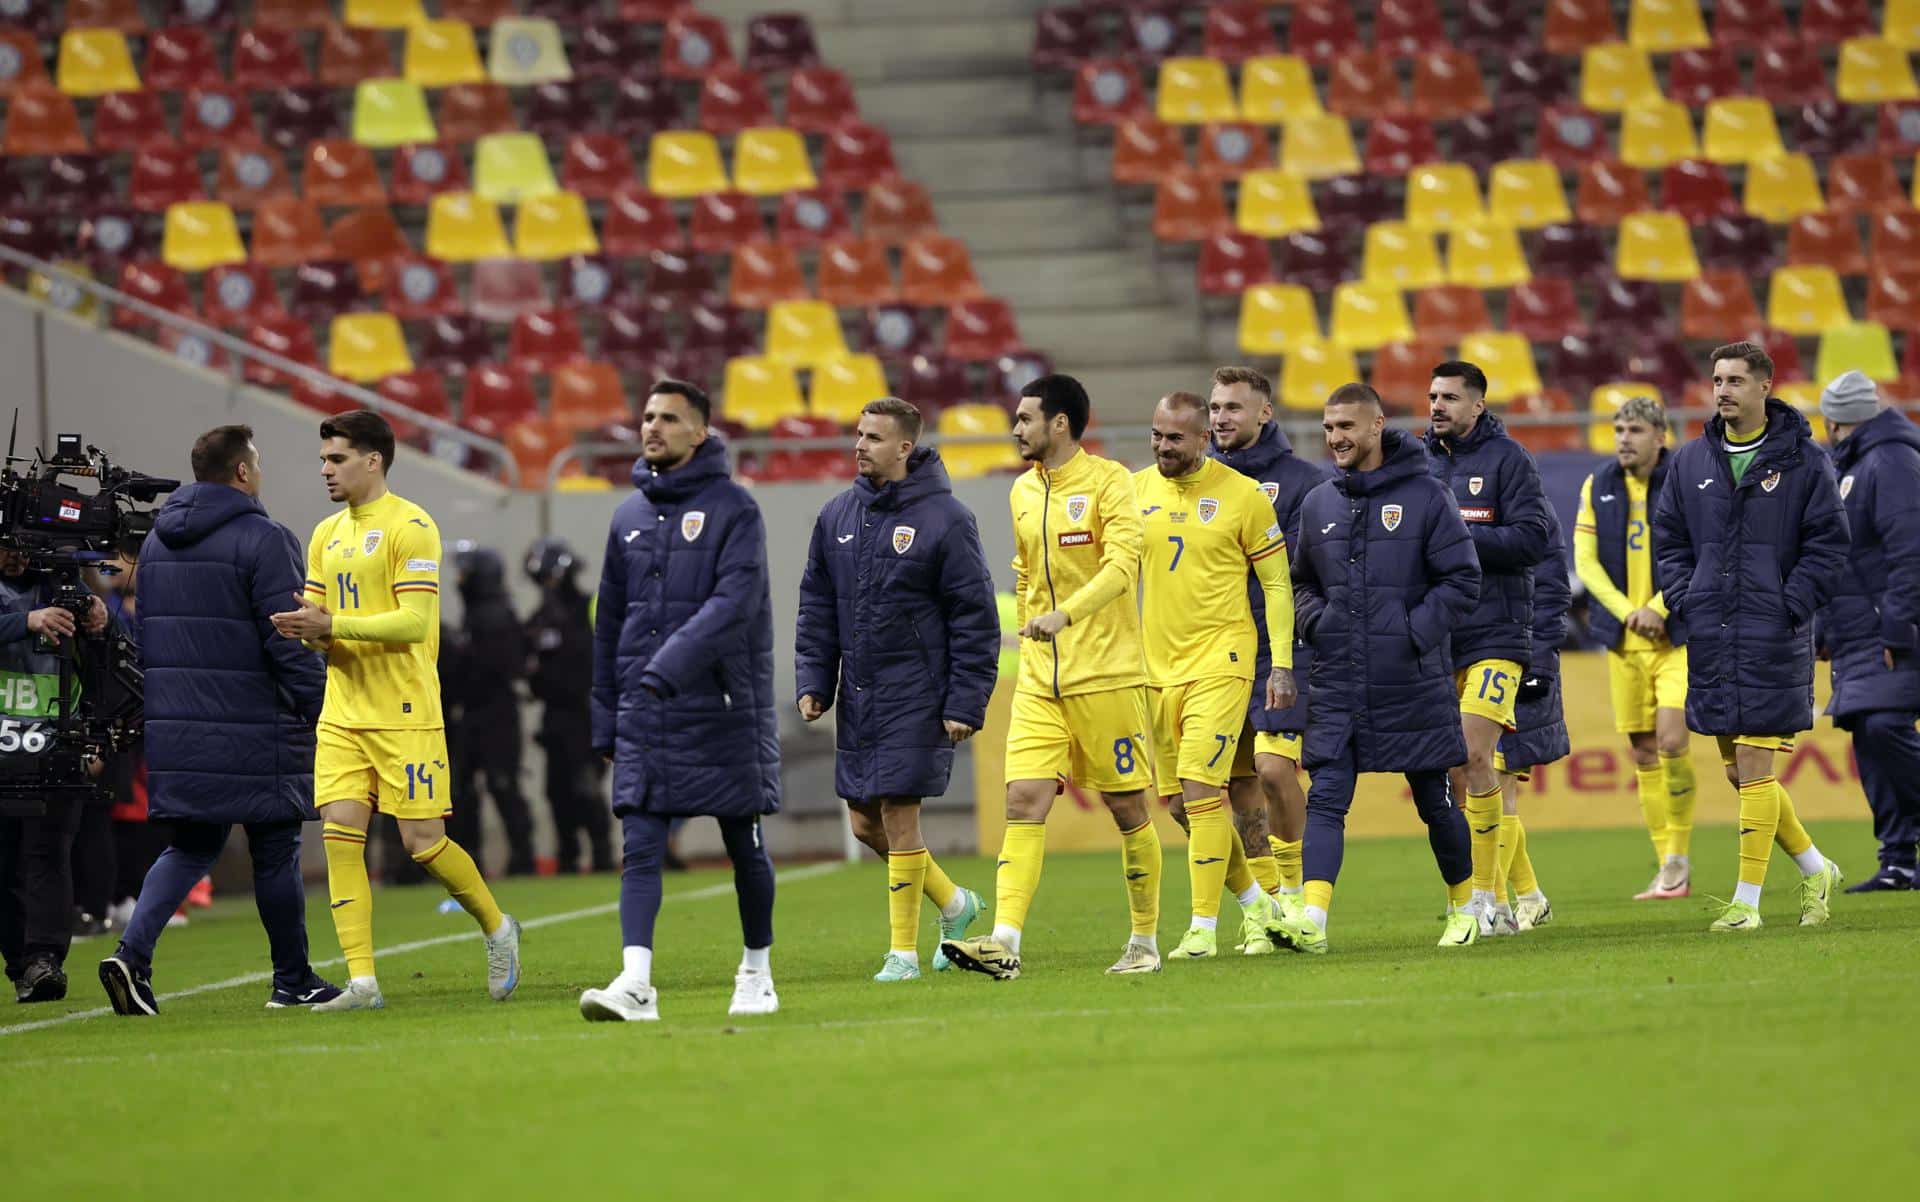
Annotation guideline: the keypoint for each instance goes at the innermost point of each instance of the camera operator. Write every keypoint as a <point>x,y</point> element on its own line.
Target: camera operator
<point>36,853</point>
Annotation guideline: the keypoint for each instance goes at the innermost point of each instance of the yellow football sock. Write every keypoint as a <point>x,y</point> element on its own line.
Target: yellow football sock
<point>351,893</point>
<point>450,864</point>
<point>906,879</point>
<point>1022,853</point>
<point>1656,796</point>
<point>1790,835</point>
<point>1140,861</point>
<point>1680,798</point>
<point>1286,858</point>
<point>1239,876</point>
<point>1483,825</point>
<point>1208,849</point>
<point>1320,894</point>
<point>939,887</point>
<point>1516,864</point>
<point>1503,864</point>
<point>1759,820</point>
<point>1460,893</point>
<point>1265,873</point>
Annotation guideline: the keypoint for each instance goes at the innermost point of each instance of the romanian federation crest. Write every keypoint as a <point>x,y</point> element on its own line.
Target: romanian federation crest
<point>373,540</point>
<point>1771,482</point>
<point>1390,516</point>
<point>902,539</point>
<point>1207,508</point>
<point>692,523</point>
<point>1846,485</point>
<point>1077,507</point>
<point>1272,489</point>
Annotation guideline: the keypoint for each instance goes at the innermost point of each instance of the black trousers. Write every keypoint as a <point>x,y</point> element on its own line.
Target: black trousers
<point>574,783</point>
<point>36,885</point>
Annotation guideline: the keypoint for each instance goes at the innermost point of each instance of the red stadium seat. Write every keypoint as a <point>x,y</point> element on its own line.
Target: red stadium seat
<point>235,295</point>
<point>1063,37</point>
<point>1533,76</point>
<point>266,58</point>
<point>610,49</point>
<point>1544,309</point>
<point>251,175</point>
<point>1571,136</point>
<point>1899,132</point>
<point>1396,145</point>
<point>1742,243</point>
<point>1790,73</point>
<point>638,223</point>
<point>477,13</point>
<point>288,337</point>
<point>1364,85</point>
<point>781,42</point>
<point>936,270</point>
<point>856,154</point>
<point>422,171</point>
<point>111,235</point>
<point>292,14</point>
<point>1718,305</point>
<point>1231,262</point>
<point>718,332</point>
<point>696,44</point>
<point>1144,149</point>
<point>855,272</point>
<point>811,217</point>
<point>1739,24</point>
<point>981,329</point>
<point>1237,31</point>
<point>1447,85</point>
<point>182,57</point>
<point>1698,190</point>
<point>644,104</point>
<point>543,339</point>
<point>1188,207</point>
<point>323,290</point>
<point>1499,26</point>
<point>1408,29</point>
<point>722,221</point>
<point>1152,31</point>
<point>419,287</point>
<point>897,332</point>
<point>1482,139</point>
<point>733,99</point>
<point>156,284</point>
<point>819,99</point>
<point>1695,77</point>
<point>596,165</point>
<point>1315,260</point>
<point>500,392</point>
<point>123,15</point>
<point>215,117</point>
<point>1230,150</point>
<point>1893,300</point>
<point>1628,308</point>
<point>1581,364</point>
<point>75,183</point>
<point>898,210</point>
<point>1824,128</point>
<point>1832,21</point>
<point>162,176</point>
<point>298,115</point>
<point>556,108</point>
<point>1106,92</point>
<point>634,339</point>
<point>1571,249</point>
<point>935,382</point>
<point>1321,31</point>
<point>592,282</point>
<point>124,121</point>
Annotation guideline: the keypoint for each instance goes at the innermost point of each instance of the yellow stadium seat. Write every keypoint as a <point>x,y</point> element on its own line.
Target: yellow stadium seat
<point>1740,129</point>
<point>1312,370</point>
<point>1443,196</point>
<point>843,386</point>
<point>364,347</point>
<point>1655,246</point>
<point>1368,316</point>
<point>509,168</point>
<point>804,333</point>
<point>440,54</point>
<point>757,393</point>
<point>1862,346</point>
<point>1874,71</point>
<point>769,161</point>
<point>1486,255</point>
<point>1276,89</point>
<point>682,163</point>
<point>1276,317</point>
<point>582,484</point>
<point>391,112</point>
<point>1319,146</point>
<point>552,227</point>
<point>1395,253</point>
<point>1274,204</point>
<point>1806,300</point>
<point>383,14</point>
<point>1615,76</point>
<point>95,61</point>
<point>971,460</point>
<point>1663,26</point>
<point>200,234</point>
<point>1655,134</point>
<point>1782,188</point>
<point>1604,403</point>
<point>523,51</point>
<point>59,292</point>
<point>1507,358</point>
<point>1803,395</point>
<point>1902,24</point>
<point>1194,91</point>
<point>1527,194</point>
<point>462,227</point>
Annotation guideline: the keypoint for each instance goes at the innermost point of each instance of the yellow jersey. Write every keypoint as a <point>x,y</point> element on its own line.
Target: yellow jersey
<point>1076,539</point>
<point>360,563</point>
<point>1203,532</point>
<point>1640,592</point>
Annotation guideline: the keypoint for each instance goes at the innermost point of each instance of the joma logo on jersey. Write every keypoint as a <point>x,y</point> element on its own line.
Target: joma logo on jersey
<point>1846,485</point>
<point>902,539</point>
<point>372,541</point>
<point>1390,516</point>
<point>1772,482</point>
<point>692,523</point>
<point>1476,513</point>
<point>1475,484</point>
<point>1208,507</point>
<point>1272,489</point>
<point>1076,538</point>
<point>1076,507</point>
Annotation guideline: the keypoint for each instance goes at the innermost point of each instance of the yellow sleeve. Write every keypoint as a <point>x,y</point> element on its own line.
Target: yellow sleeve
<point>1019,560</point>
<point>414,558</point>
<point>1122,537</point>
<point>1266,547</point>
<point>418,612</point>
<point>1586,559</point>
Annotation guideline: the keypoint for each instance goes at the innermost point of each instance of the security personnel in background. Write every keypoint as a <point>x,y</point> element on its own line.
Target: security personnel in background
<point>559,637</point>
<point>496,661</point>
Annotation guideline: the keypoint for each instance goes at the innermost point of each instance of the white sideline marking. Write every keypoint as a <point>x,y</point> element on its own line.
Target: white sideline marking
<point>723,888</point>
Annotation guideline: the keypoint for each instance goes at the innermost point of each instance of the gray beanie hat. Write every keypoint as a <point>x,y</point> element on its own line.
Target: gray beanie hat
<point>1849,400</point>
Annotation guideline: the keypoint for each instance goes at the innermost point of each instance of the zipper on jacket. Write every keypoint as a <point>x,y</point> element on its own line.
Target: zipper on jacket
<point>1046,566</point>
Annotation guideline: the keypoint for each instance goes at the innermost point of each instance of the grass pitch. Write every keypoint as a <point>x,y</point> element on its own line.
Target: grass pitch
<point>1622,1052</point>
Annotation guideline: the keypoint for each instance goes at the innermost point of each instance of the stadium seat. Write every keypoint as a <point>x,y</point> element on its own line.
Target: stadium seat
<point>607,50</point>
<point>95,61</point>
<point>1507,358</point>
<point>382,14</point>
<point>1364,85</point>
<point>1569,137</point>
<point>814,216</point>
<point>1322,32</point>
<point>349,57</point>
<point>1615,76</point>
<point>20,63</point>
<point>418,287</point>
<point>236,295</point>
<point>765,273</point>
<point>511,168</point>
<point>757,392</point>
<point>1806,300</point>
<point>1236,31</point>
<point>842,387</point>
<point>803,333</point>
<point>1901,24</point>
<point>1312,369</point>
<point>638,222</point>
<point>1698,191</point>
<point>898,210</point>
<point>499,391</point>
<point>1744,24</point>
<point>365,347</point>
<point>338,171</point>
<point>181,58</point>
<point>1448,312</point>
<point>74,183</point>
<point>1277,88</point>
<point>1231,262</point>
<point>935,270</point>
<point>1481,140</point>
<point>121,15</point>
<point>644,104</point>
<point>1274,317</point>
<point>1582,363</point>
<point>455,343</point>
<point>981,329</point>
<point>1696,78</point>
<point>1368,316</point>
<point>592,282</point>
<point>1532,76</point>
<point>1573,25</point>
<point>161,176</point>
<point>1826,128</point>
<point>1194,91</point>
<point>684,163</point>
<point>696,44</point>
<point>1230,150</point>
<point>391,112</point>
<point>767,162</point>
<point>1401,371</point>
<point>971,460</point>
<point>471,111</point>
<point>722,221</point>
<point>1313,258</point>
<point>1318,146</point>
<point>462,228</point>
<point>1542,310</point>
<point>298,115</point>
<point>675,279</point>
<point>546,228</point>
<point>733,99</point>
<point>290,339</point>
<point>1789,73</point>
<point>1443,196</point>
<point>1187,207</point>
<point>1490,24</point>
<point>371,240</point>
<point>1273,204</point>
<point>1893,299</point>
<point>634,339</point>
<point>1447,85</point>
<point>288,231</point>
<point>1742,243</point>
<point>1526,194</point>
<point>854,272</point>
<point>1825,240</point>
<point>1628,309</point>
<point>1348,204</point>
<point>126,121</point>
<point>717,332</point>
<point>1106,91</point>
<point>1605,401</point>
<point>42,121</point>
<point>323,290</point>
<point>152,283</point>
<point>1873,71</point>
<point>855,155</point>
<point>542,339</point>
<point>442,53</point>
<point>477,13</point>
<point>199,235</point>
<point>1608,190</point>
<point>523,51</point>
<point>1835,20</point>
<point>1144,149</point>
<point>1406,28</point>
<point>1486,255</point>
<point>584,394</point>
<point>819,99</point>
<point>1396,145</point>
<point>217,117</point>
<point>1717,306</point>
<point>1664,26</point>
<point>1864,346</point>
<point>1894,240</point>
<point>934,382</point>
<point>1656,134</point>
<point>422,171</point>
<point>1740,130</point>
<point>1655,246</point>
<point>1400,256</point>
<point>596,165</point>
<point>1782,188</point>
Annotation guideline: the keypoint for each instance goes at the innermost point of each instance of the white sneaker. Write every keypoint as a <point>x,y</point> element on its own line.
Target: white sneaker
<point>358,995</point>
<point>503,959</point>
<point>621,1003</point>
<point>753,994</point>
<point>1497,919</point>
<point>1531,912</point>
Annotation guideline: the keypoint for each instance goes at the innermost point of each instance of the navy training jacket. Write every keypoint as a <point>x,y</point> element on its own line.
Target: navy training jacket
<point>1497,487</point>
<point>1876,607</point>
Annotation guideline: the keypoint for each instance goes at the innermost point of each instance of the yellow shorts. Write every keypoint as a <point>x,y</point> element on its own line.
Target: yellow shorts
<point>1099,740</point>
<point>1197,733</point>
<point>1644,681</point>
<point>399,772</point>
<point>1284,745</point>
<point>1489,687</point>
<point>1763,742</point>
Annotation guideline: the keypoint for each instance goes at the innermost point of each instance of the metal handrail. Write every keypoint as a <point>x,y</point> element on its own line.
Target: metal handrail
<point>240,349</point>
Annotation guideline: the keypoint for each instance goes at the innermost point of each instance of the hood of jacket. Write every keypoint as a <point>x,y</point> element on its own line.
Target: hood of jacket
<point>196,510</point>
<point>926,477</point>
<point>708,463</point>
<point>1786,436</point>
<point>1404,457</point>
<point>1257,458</point>
<point>1889,426</point>
<point>1484,431</point>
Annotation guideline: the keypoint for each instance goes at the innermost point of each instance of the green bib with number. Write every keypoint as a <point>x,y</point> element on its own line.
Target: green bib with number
<point>32,694</point>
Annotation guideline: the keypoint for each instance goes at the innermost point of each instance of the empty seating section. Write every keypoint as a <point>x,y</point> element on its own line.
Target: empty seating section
<point>516,214</point>
<point>1582,195</point>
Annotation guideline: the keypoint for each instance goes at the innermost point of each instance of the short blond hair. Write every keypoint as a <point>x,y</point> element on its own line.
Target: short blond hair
<point>1642,409</point>
<point>1224,377</point>
<point>902,412</point>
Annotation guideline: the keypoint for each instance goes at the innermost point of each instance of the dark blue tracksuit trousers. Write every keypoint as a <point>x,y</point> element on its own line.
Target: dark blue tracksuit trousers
<point>278,893</point>
<point>1330,796</point>
<point>645,837</point>
<point>1887,749</point>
